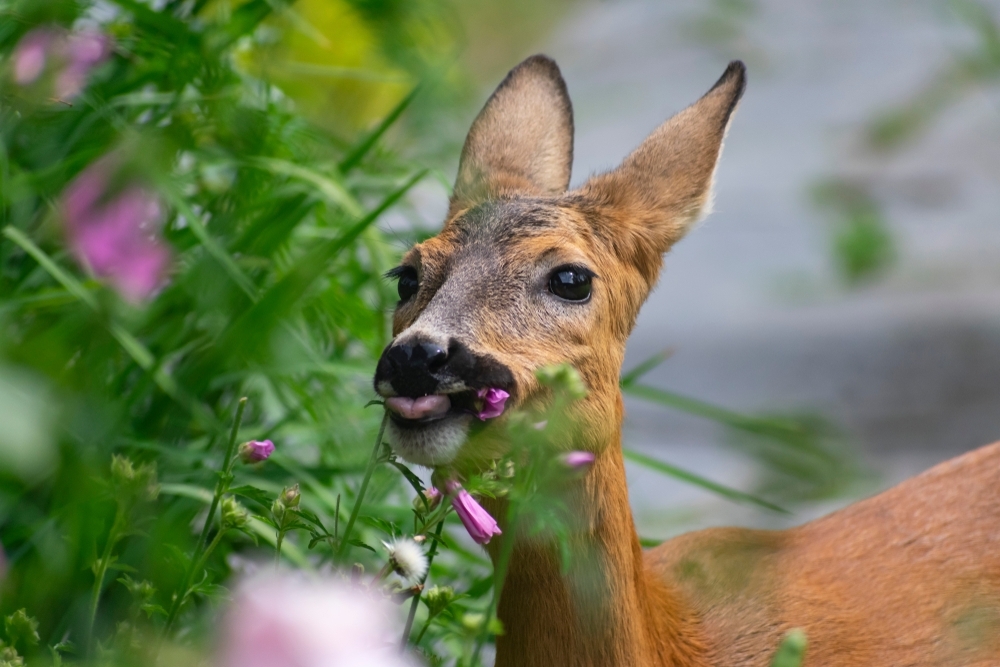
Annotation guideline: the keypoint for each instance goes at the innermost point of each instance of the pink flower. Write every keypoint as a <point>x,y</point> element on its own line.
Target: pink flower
<point>71,56</point>
<point>31,54</point>
<point>578,460</point>
<point>83,51</point>
<point>256,451</point>
<point>286,620</point>
<point>493,402</point>
<point>114,232</point>
<point>481,526</point>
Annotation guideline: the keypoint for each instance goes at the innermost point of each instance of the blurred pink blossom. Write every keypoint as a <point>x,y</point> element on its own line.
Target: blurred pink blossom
<point>287,620</point>
<point>477,521</point>
<point>115,231</point>
<point>493,402</point>
<point>70,56</point>
<point>256,451</point>
<point>31,54</point>
<point>82,52</point>
<point>578,460</point>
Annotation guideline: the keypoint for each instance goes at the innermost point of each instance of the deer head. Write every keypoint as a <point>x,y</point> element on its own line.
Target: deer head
<point>526,274</point>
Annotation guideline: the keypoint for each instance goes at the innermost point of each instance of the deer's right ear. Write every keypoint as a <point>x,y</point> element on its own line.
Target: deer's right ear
<point>522,140</point>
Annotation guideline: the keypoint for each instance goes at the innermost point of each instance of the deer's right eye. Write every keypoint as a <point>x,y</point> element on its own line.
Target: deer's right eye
<point>407,282</point>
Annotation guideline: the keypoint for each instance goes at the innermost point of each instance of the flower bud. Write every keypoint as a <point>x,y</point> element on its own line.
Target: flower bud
<point>255,451</point>
<point>122,470</point>
<point>433,498</point>
<point>290,496</point>
<point>278,510</point>
<point>133,483</point>
<point>234,515</point>
<point>437,598</point>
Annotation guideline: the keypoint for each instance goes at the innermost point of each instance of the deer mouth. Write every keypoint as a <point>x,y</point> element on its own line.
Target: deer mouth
<point>431,430</point>
<point>416,412</point>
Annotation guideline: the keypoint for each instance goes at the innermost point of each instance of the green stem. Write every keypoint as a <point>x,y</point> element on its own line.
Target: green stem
<point>277,548</point>
<point>420,635</point>
<point>344,543</point>
<point>102,570</point>
<point>211,547</point>
<point>416,598</point>
<point>221,487</point>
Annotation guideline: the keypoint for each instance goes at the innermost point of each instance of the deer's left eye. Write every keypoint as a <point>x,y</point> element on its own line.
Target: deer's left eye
<point>572,283</point>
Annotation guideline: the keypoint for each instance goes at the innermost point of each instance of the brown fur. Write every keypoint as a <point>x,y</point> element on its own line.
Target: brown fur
<point>909,577</point>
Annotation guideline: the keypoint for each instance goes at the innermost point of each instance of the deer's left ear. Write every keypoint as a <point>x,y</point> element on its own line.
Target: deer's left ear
<point>522,140</point>
<point>665,185</point>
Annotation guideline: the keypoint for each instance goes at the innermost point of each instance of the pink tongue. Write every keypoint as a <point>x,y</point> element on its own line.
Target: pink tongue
<point>419,408</point>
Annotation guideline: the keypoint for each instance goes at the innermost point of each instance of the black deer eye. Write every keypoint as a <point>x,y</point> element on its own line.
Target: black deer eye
<point>571,283</point>
<point>407,281</point>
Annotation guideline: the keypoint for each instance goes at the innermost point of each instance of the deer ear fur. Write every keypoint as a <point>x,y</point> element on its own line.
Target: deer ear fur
<point>522,140</point>
<point>665,185</point>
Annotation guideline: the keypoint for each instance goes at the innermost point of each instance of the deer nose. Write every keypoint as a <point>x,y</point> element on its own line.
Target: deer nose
<point>410,367</point>
<point>429,355</point>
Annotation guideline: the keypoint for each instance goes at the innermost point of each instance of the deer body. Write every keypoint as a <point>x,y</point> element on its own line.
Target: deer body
<point>526,274</point>
<point>908,577</point>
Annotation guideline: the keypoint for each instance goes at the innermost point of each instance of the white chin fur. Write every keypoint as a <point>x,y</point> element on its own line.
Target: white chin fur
<point>432,445</point>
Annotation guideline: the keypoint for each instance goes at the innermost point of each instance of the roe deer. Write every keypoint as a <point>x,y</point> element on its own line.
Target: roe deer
<point>526,274</point>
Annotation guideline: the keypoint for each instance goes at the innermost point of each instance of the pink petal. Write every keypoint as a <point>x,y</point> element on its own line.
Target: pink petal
<point>31,55</point>
<point>493,402</point>
<point>578,459</point>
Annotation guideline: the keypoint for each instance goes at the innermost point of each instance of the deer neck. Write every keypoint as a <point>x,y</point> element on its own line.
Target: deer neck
<point>605,609</point>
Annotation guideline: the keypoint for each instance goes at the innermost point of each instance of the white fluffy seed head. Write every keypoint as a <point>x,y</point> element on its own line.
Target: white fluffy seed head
<point>407,558</point>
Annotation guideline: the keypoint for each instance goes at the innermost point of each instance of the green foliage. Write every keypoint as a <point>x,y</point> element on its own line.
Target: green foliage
<point>792,650</point>
<point>863,246</point>
<point>274,293</point>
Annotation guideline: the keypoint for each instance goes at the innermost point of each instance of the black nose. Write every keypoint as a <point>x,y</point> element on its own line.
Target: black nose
<point>410,367</point>
<point>418,368</point>
<point>428,355</point>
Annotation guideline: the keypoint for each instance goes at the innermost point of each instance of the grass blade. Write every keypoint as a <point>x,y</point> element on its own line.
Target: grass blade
<point>697,480</point>
<point>354,157</point>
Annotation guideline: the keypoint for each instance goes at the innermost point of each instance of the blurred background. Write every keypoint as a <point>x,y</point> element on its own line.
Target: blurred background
<point>831,329</point>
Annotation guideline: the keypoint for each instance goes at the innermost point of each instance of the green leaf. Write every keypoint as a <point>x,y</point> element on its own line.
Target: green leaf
<point>359,543</point>
<point>253,493</point>
<point>410,477</point>
<point>355,156</point>
<point>697,480</point>
<point>644,367</point>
